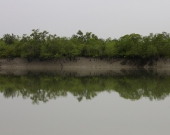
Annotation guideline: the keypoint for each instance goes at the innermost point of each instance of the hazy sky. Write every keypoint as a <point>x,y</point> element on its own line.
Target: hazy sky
<point>105,18</point>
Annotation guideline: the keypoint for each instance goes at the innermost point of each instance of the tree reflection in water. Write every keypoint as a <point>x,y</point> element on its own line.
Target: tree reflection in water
<point>44,87</point>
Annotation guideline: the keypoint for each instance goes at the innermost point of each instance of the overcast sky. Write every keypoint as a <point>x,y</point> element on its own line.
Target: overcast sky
<point>105,18</point>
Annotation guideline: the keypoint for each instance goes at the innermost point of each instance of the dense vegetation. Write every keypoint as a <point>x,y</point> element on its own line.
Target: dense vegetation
<point>43,45</point>
<point>45,87</point>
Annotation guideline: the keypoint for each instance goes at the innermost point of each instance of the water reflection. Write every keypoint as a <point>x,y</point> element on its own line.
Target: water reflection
<point>131,85</point>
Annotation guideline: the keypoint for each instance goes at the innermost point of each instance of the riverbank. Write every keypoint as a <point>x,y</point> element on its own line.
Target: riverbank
<point>85,63</point>
<point>82,66</point>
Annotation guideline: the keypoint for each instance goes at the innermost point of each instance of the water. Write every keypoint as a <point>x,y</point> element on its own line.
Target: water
<point>126,103</point>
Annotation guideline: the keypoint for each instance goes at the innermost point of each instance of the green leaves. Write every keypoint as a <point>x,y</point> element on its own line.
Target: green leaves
<point>10,39</point>
<point>110,50</point>
<point>43,45</point>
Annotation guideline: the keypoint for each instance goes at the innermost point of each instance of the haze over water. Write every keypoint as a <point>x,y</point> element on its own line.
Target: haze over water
<point>135,102</point>
<point>129,103</point>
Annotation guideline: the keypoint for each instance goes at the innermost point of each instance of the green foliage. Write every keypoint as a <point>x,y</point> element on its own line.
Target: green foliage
<point>10,39</point>
<point>71,49</point>
<point>110,50</point>
<point>43,45</point>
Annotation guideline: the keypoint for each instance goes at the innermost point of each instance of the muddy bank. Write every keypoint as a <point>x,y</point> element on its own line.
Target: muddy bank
<point>82,66</point>
<point>84,63</point>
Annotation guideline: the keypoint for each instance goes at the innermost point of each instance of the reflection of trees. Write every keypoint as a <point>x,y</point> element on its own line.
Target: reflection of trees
<point>44,87</point>
<point>9,92</point>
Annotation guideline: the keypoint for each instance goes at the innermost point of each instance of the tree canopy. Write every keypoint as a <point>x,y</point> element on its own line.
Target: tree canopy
<point>43,45</point>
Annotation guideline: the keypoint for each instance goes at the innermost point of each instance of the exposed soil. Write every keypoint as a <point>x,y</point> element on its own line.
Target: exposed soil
<point>82,66</point>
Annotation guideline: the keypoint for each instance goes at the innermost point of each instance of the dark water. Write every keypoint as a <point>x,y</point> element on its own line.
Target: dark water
<point>126,103</point>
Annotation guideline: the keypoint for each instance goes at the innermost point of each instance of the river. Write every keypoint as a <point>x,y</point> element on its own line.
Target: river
<point>124,103</point>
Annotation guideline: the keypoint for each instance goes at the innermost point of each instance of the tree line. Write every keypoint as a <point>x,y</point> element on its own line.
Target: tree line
<point>43,45</point>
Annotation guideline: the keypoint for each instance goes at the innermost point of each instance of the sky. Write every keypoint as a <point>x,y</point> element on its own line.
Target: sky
<point>104,18</point>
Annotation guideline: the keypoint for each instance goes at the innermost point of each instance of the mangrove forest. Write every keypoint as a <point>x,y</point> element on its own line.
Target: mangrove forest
<point>42,45</point>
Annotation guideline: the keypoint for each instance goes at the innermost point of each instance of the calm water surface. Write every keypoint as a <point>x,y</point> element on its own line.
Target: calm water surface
<point>134,103</point>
